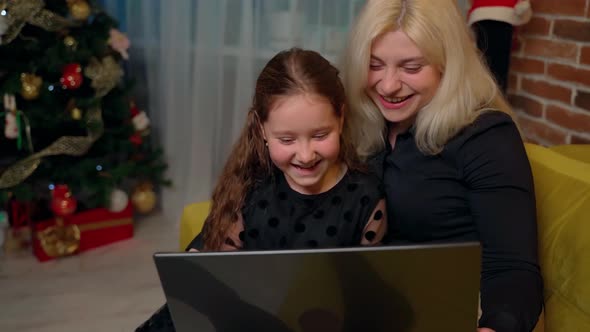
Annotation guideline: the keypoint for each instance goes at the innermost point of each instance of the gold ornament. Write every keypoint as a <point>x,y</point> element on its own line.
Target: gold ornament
<point>76,113</point>
<point>32,12</point>
<point>105,74</point>
<point>70,42</point>
<point>31,85</point>
<point>79,9</point>
<point>144,198</point>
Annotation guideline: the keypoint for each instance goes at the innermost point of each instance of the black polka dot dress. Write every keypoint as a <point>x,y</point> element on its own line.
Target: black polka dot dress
<point>277,217</point>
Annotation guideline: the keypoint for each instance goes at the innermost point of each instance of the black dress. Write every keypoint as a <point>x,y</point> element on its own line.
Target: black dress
<point>277,217</point>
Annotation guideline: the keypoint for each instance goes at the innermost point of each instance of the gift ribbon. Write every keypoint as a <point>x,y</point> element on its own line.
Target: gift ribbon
<point>105,224</point>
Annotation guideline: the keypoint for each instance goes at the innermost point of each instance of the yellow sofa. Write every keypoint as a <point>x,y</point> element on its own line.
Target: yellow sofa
<point>580,152</point>
<point>191,222</point>
<point>562,189</point>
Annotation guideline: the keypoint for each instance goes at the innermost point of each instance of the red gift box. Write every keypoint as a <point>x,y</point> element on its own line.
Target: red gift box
<point>96,227</point>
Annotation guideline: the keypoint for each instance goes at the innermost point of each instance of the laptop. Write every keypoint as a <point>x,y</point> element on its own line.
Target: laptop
<point>386,288</point>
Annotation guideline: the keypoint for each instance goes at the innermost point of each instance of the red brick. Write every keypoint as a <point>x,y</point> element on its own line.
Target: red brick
<point>517,45</point>
<point>512,82</point>
<point>527,66</point>
<point>519,120</point>
<point>572,30</point>
<point>564,118</point>
<point>579,140</point>
<point>533,140</point>
<point>539,130</point>
<point>549,48</point>
<point>527,105</point>
<point>536,26</point>
<point>567,7</point>
<point>547,90</point>
<point>585,55</point>
<point>569,73</point>
<point>583,100</point>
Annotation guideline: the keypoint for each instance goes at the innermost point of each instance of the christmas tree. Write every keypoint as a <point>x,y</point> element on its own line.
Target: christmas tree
<point>69,114</point>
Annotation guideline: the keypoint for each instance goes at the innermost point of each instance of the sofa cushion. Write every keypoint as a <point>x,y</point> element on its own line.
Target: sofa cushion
<point>562,189</point>
<point>580,152</point>
<point>191,222</point>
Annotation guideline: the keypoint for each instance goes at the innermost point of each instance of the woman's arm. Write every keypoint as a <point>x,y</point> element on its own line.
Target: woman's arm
<point>501,196</point>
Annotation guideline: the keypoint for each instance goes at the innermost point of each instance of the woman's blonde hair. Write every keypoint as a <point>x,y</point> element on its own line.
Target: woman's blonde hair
<point>437,28</point>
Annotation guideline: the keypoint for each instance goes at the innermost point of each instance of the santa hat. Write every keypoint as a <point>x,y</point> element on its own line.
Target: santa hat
<point>515,12</point>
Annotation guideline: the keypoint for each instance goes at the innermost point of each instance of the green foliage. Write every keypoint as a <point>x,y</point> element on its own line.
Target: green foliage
<point>113,160</point>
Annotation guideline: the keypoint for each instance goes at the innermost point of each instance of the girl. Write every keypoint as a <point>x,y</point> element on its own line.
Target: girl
<point>293,179</point>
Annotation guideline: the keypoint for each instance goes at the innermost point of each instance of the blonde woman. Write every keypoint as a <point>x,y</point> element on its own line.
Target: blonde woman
<point>430,118</point>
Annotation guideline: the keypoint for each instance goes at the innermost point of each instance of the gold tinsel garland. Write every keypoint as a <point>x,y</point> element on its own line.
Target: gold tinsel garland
<point>68,145</point>
<point>21,12</point>
<point>105,74</point>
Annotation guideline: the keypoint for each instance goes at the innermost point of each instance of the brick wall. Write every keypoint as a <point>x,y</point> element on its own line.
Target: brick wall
<point>549,83</point>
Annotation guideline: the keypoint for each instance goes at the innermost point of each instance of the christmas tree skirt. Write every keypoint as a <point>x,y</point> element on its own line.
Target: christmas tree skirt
<point>54,238</point>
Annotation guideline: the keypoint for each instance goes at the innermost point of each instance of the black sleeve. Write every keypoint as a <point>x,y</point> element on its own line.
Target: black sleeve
<point>160,321</point>
<point>197,242</point>
<point>501,195</point>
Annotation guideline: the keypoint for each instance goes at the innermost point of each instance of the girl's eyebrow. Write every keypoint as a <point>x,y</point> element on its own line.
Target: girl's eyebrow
<point>289,132</point>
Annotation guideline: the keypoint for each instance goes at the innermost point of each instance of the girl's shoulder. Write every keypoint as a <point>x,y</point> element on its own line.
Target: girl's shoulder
<point>263,188</point>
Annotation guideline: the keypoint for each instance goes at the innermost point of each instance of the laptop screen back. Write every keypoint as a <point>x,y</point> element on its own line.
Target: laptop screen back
<point>406,288</point>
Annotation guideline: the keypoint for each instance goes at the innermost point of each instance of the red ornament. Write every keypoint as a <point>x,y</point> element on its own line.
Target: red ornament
<point>62,202</point>
<point>136,139</point>
<point>134,110</point>
<point>71,76</point>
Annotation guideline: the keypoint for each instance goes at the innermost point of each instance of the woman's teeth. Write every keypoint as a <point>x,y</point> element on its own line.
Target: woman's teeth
<point>396,100</point>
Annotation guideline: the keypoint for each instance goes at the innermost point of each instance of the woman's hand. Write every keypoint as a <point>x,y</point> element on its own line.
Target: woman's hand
<point>193,250</point>
<point>485,329</point>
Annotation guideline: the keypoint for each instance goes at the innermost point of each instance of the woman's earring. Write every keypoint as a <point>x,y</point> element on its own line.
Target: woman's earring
<point>266,143</point>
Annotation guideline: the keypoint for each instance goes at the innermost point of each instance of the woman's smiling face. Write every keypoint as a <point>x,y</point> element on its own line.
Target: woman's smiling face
<point>400,80</point>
